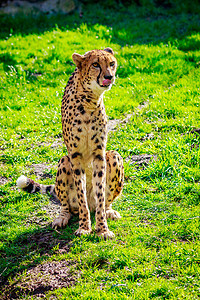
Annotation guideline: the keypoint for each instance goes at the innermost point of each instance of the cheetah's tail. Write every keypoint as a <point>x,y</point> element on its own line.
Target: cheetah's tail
<point>26,184</point>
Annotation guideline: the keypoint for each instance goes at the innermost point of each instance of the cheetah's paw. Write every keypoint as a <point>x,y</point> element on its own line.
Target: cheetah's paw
<point>106,235</point>
<point>61,221</point>
<point>81,231</point>
<point>112,214</point>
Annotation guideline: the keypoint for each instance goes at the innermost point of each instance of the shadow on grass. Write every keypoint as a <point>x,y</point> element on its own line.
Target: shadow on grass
<point>32,248</point>
<point>30,253</point>
<point>7,61</point>
<point>128,25</point>
<point>41,279</point>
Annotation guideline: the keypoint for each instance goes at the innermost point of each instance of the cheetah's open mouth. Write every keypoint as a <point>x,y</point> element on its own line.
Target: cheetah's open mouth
<point>107,82</point>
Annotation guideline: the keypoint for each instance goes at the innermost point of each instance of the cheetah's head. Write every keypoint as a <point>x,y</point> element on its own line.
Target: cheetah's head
<point>97,68</point>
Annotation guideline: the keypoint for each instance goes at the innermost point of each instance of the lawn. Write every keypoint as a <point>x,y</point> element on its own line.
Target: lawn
<point>155,104</point>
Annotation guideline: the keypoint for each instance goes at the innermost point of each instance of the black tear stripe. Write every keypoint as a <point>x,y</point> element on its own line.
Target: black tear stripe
<point>99,75</point>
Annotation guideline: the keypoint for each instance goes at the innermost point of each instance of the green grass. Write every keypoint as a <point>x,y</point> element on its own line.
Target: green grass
<point>156,250</point>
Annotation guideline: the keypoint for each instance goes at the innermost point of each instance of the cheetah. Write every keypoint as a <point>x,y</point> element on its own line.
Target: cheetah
<point>88,178</point>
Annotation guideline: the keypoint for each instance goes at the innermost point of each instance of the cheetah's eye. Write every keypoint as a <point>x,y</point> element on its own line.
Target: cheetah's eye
<point>112,64</point>
<point>96,65</point>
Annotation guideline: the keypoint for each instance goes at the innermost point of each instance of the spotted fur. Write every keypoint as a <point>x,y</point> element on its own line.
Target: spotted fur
<point>89,178</point>
<point>67,191</point>
<point>84,124</point>
<point>30,186</point>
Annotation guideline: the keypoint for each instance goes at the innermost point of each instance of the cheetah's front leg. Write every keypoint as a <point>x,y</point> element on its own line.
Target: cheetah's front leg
<point>99,181</point>
<point>80,183</point>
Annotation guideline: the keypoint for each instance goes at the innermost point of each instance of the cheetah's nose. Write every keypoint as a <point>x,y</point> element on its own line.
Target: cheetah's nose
<point>108,77</point>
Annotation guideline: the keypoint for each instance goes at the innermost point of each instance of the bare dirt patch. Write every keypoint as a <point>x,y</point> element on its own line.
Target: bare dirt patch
<point>44,241</point>
<point>141,160</point>
<point>52,142</point>
<point>148,136</point>
<point>41,279</point>
<point>196,130</point>
<point>42,216</point>
<point>47,241</point>
<point>38,278</point>
<point>3,180</point>
<point>42,170</point>
<point>112,124</point>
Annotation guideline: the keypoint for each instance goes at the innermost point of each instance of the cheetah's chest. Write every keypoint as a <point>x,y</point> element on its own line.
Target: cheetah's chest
<point>92,137</point>
<point>85,131</point>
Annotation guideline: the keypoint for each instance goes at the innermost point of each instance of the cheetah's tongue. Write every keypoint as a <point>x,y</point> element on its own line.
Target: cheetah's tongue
<point>106,82</point>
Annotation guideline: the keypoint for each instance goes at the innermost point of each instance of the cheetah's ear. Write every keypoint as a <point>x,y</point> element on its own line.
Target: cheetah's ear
<point>77,58</point>
<point>110,50</point>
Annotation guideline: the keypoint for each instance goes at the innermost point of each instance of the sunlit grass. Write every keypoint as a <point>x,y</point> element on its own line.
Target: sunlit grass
<point>155,254</point>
